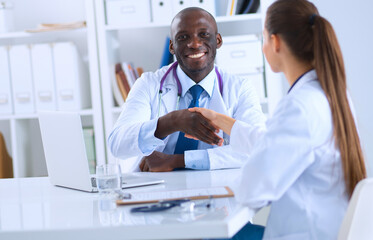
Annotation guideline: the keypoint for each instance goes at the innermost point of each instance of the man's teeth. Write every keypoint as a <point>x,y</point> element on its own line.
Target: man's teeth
<point>198,55</point>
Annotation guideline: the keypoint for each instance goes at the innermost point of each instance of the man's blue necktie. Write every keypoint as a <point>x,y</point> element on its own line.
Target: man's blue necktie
<point>183,144</point>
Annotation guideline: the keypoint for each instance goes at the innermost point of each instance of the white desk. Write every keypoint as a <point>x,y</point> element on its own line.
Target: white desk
<point>31,208</point>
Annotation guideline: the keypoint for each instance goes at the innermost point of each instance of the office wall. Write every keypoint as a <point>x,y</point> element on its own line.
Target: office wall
<point>352,21</point>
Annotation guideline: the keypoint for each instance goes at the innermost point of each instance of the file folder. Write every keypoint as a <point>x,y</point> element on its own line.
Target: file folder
<point>167,57</point>
<point>177,6</point>
<point>72,85</point>
<point>43,76</point>
<point>118,97</point>
<point>6,163</point>
<point>208,5</point>
<point>129,74</point>
<point>231,8</point>
<point>6,102</point>
<point>123,82</point>
<point>21,75</point>
<point>162,11</point>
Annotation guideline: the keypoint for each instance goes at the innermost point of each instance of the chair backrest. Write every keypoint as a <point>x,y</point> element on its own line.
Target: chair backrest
<point>358,221</point>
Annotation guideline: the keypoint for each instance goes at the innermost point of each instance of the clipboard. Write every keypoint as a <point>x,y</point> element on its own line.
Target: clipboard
<point>191,194</point>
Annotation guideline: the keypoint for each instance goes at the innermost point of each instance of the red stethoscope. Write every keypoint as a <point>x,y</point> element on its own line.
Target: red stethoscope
<point>179,88</point>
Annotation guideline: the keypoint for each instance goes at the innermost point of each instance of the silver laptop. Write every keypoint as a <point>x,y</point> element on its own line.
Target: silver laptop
<point>65,154</point>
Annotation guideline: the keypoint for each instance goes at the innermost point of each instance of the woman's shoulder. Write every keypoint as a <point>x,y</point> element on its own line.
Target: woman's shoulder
<point>310,104</point>
<point>310,95</point>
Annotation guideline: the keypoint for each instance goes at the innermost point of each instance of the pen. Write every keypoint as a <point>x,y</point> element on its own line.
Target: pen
<point>190,206</point>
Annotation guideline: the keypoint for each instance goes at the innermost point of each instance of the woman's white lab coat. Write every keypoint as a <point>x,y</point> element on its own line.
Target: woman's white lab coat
<point>295,166</point>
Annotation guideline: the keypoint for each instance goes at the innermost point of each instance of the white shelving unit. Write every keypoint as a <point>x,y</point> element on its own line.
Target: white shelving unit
<point>101,46</point>
<point>142,44</point>
<point>22,131</point>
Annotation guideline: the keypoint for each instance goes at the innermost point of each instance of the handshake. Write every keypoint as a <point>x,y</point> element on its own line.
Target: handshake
<point>215,122</point>
<point>197,123</point>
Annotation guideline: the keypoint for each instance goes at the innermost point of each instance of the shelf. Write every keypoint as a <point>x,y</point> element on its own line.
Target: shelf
<point>241,17</point>
<point>219,19</point>
<point>21,130</point>
<point>19,116</point>
<point>15,35</point>
<point>137,26</point>
<point>84,112</point>
<point>23,34</point>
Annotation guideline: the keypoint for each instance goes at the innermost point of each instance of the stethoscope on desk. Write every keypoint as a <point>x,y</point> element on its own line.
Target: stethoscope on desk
<point>179,88</point>
<point>187,204</point>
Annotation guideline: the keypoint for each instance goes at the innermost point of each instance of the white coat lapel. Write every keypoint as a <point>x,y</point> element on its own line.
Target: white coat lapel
<point>216,102</point>
<point>169,98</point>
<point>218,105</point>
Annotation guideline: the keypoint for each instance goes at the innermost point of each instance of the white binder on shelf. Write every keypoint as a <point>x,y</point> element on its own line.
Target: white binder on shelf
<point>6,102</point>
<point>21,75</point>
<point>177,6</point>
<point>72,85</point>
<point>162,11</point>
<point>43,76</point>
<point>208,5</point>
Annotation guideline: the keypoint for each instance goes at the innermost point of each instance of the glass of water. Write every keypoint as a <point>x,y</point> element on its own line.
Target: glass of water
<point>109,179</point>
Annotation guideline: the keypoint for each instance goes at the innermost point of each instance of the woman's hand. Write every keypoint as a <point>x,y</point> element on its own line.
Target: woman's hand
<point>207,113</point>
<point>218,120</point>
<point>191,123</point>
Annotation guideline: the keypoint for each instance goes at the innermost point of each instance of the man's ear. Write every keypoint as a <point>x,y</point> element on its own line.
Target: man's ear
<point>171,48</point>
<point>276,43</point>
<point>219,40</point>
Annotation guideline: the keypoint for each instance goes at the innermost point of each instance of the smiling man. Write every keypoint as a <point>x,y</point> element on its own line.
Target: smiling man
<point>149,133</point>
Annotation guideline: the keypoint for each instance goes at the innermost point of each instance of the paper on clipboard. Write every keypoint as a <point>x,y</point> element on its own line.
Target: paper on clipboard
<point>193,194</point>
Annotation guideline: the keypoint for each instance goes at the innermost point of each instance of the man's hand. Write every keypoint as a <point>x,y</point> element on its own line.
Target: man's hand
<point>161,162</point>
<point>220,121</point>
<point>191,123</point>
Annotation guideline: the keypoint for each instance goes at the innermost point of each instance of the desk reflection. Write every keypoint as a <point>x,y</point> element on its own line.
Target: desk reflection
<point>110,214</point>
<point>32,208</point>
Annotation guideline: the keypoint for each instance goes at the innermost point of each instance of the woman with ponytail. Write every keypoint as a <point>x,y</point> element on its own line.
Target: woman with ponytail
<point>308,160</point>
